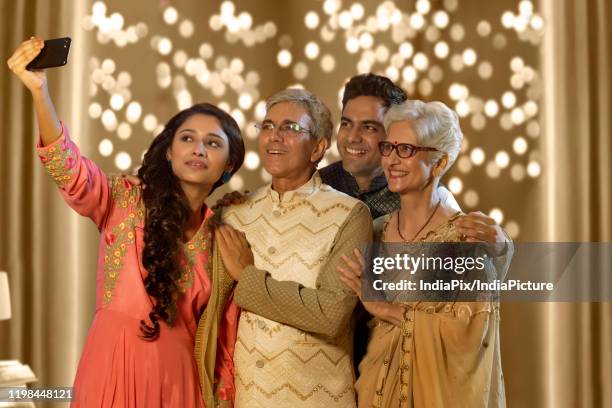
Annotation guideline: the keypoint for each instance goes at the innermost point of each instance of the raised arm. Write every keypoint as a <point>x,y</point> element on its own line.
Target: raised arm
<point>325,309</point>
<point>82,184</point>
<point>48,123</point>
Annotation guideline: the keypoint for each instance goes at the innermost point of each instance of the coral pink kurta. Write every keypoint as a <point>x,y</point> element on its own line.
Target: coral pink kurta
<point>118,368</point>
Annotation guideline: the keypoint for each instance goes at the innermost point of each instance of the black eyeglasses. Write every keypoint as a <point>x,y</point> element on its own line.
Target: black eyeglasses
<point>404,150</point>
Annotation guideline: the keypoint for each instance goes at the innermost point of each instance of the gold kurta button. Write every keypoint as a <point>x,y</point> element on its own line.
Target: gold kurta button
<point>386,362</point>
<point>261,324</point>
<point>276,213</point>
<point>259,363</point>
<point>271,250</point>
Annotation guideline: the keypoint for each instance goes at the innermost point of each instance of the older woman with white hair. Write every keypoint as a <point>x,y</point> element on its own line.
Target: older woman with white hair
<point>425,354</point>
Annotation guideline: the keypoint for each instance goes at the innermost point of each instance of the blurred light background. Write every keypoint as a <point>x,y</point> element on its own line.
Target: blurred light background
<point>147,63</point>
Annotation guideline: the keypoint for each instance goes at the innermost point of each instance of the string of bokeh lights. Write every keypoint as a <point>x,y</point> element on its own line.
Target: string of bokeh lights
<point>382,41</point>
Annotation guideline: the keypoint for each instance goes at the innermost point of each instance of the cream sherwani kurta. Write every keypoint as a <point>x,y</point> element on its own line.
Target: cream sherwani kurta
<point>294,345</point>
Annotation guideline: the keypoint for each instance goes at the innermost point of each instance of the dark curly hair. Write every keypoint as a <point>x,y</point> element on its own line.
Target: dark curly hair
<point>167,213</point>
<point>373,85</point>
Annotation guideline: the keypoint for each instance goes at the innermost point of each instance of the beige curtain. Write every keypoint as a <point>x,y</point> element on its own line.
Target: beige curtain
<point>44,247</point>
<point>577,191</point>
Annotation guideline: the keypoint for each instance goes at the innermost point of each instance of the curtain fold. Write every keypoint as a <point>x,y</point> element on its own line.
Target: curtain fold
<point>44,247</point>
<point>577,191</point>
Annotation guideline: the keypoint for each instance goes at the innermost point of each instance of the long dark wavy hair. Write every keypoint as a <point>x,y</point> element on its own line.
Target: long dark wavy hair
<point>167,213</point>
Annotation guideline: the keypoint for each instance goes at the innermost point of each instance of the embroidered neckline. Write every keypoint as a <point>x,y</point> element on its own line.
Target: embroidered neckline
<point>122,236</point>
<point>199,243</point>
<point>430,232</point>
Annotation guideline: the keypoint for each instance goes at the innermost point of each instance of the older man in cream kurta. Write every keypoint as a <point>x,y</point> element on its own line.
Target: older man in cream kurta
<point>294,343</point>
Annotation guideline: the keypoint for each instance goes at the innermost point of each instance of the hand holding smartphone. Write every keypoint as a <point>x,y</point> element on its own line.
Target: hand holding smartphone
<point>54,54</point>
<point>34,77</point>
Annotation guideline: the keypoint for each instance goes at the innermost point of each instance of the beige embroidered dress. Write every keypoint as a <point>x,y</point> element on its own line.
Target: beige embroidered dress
<point>445,355</point>
<point>294,346</point>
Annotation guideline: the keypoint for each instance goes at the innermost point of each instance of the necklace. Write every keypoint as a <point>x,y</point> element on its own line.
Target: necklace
<point>421,229</point>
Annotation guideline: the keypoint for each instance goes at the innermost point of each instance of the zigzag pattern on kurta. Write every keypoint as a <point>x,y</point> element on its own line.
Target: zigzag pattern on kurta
<point>296,392</point>
<point>245,223</point>
<point>293,255</point>
<point>313,209</point>
<point>288,350</point>
<point>287,209</point>
<point>260,195</point>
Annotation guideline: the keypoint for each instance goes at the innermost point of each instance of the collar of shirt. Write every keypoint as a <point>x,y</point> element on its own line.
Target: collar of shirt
<point>305,190</point>
<point>342,180</point>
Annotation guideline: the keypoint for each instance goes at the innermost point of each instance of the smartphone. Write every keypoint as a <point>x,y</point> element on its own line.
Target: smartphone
<point>53,54</point>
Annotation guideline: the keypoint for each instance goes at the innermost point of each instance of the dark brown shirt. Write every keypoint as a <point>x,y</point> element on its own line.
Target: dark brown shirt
<point>377,197</point>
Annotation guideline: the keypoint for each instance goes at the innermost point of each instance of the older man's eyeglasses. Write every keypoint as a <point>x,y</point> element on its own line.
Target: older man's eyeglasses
<point>284,129</point>
<point>404,150</point>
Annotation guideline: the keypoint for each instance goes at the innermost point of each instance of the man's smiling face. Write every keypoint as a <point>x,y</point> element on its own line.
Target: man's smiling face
<point>361,128</point>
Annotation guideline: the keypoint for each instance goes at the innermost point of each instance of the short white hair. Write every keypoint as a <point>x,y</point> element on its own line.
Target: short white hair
<point>317,111</point>
<point>435,125</point>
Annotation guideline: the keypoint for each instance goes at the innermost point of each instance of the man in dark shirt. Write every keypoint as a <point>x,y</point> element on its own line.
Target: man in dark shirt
<point>359,174</point>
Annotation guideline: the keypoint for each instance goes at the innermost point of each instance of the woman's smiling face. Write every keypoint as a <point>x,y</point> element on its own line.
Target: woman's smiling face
<point>410,174</point>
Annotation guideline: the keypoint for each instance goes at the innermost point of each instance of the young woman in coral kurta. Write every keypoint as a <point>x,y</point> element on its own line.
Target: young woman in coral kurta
<point>138,353</point>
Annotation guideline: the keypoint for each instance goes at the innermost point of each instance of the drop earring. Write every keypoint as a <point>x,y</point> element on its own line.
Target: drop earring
<point>226,177</point>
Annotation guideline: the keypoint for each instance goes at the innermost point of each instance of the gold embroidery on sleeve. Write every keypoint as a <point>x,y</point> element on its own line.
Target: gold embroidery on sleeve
<point>59,162</point>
